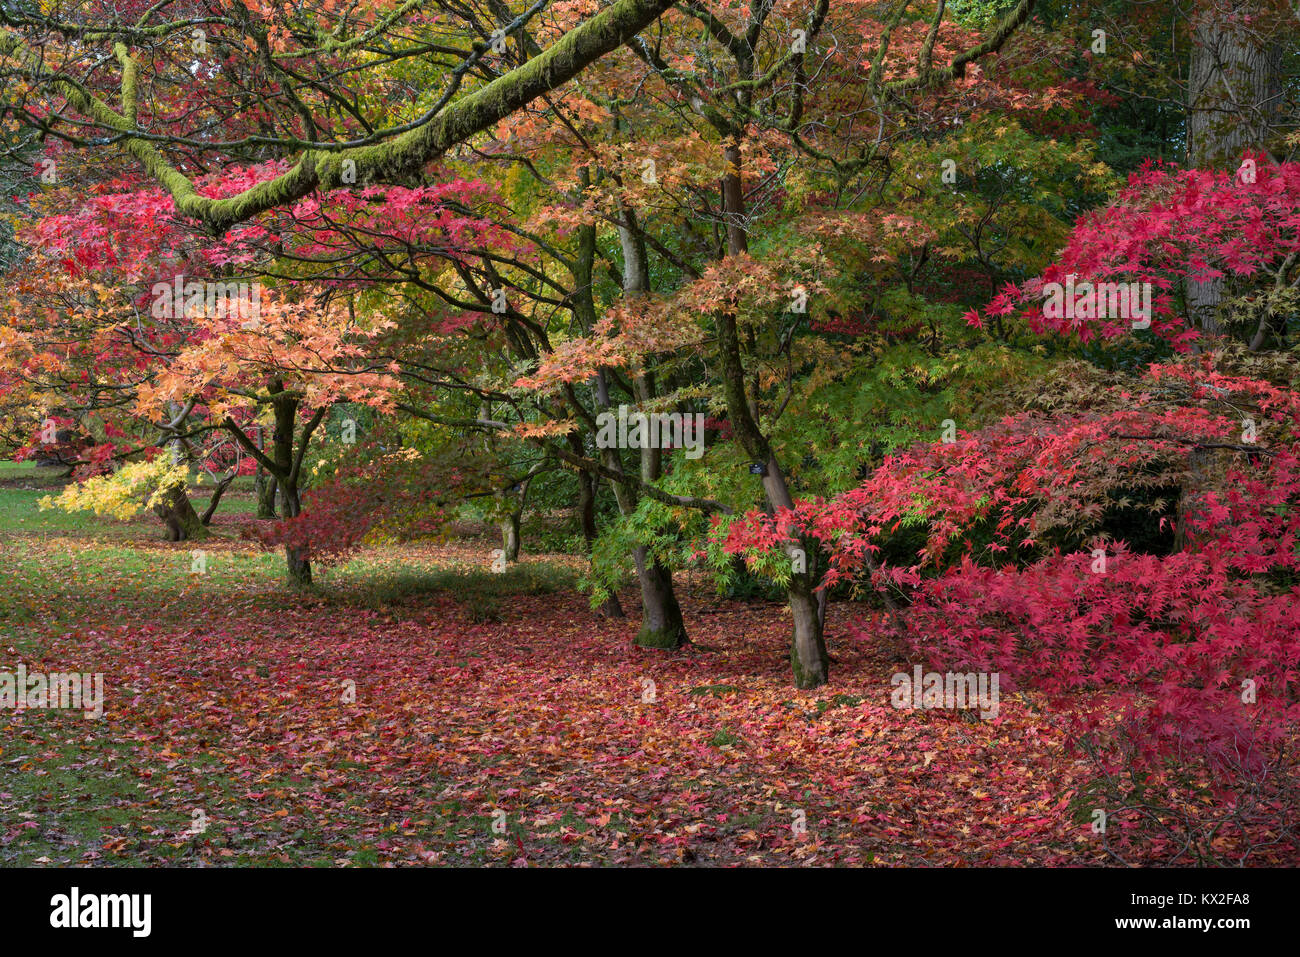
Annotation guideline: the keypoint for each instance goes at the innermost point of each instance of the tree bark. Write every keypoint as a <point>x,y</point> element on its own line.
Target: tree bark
<point>1234,95</point>
<point>1235,90</point>
<point>178,516</point>
<point>264,484</point>
<point>510,535</point>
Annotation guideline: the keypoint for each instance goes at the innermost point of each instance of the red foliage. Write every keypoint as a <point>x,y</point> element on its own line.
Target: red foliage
<point>1169,226</point>
<point>373,493</point>
<point>1174,637</point>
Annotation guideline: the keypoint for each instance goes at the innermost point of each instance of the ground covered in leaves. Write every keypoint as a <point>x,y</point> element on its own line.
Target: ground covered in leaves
<point>496,720</point>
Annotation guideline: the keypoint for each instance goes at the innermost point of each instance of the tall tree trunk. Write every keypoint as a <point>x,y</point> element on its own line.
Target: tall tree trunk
<point>808,658</point>
<point>584,310</point>
<point>662,624</point>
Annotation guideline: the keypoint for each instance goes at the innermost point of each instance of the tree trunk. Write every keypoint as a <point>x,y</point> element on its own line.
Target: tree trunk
<point>282,464</point>
<point>1235,90</point>
<point>510,535</point>
<point>174,508</point>
<point>286,408</point>
<point>295,557</point>
<point>809,661</point>
<point>178,515</point>
<point>662,625</point>
<point>586,507</point>
<point>265,485</point>
<point>808,658</point>
<point>584,310</point>
<point>1233,99</point>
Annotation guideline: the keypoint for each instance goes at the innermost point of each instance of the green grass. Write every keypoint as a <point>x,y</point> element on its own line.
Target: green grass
<point>27,473</point>
<point>372,587</point>
<point>724,738</point>
<point>78,807</point>
<point>23,485</point>
<point>126,564</point>
<point>19,514</point>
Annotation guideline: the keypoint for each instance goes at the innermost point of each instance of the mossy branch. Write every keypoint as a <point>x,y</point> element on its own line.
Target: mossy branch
<point>392,161</point>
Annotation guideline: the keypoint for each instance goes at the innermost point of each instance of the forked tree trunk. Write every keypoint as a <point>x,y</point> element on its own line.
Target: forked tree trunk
<point>180,520</point>
<point>282,464</point>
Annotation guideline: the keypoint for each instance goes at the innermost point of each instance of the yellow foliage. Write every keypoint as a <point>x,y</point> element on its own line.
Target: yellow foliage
<point>125,493</point>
